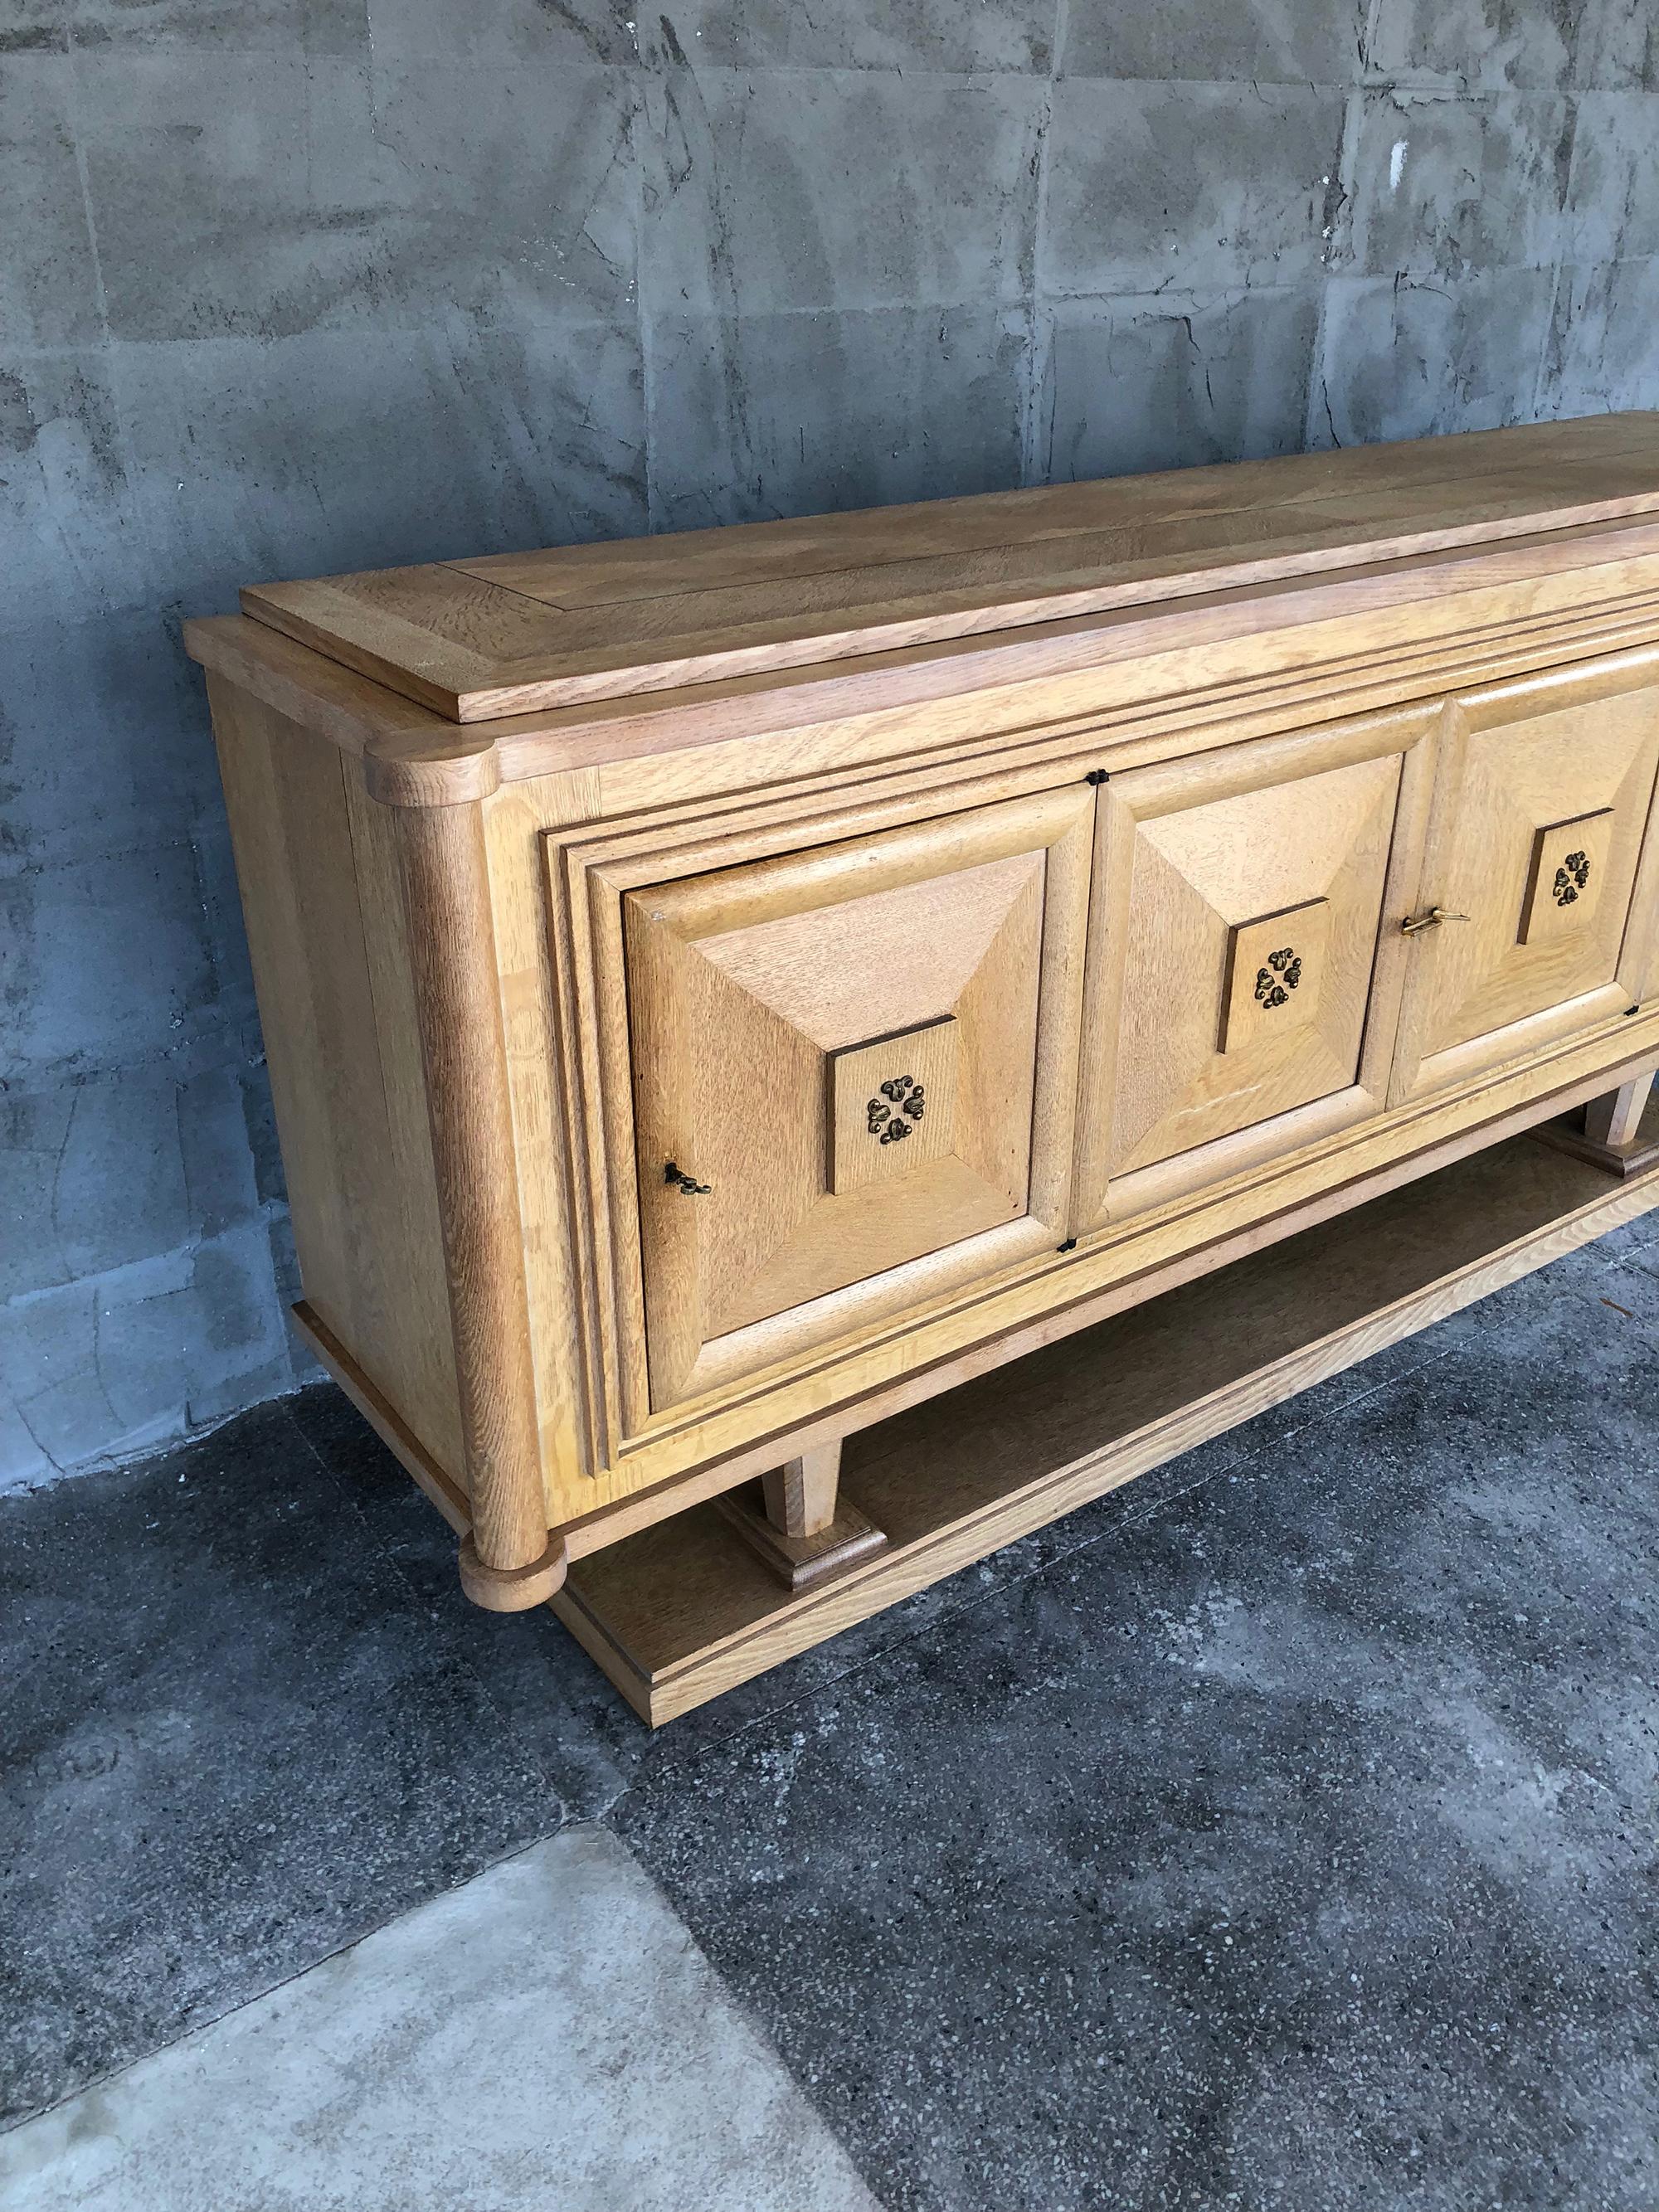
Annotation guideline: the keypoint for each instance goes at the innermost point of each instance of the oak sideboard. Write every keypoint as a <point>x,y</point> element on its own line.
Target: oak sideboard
<point>724,991</point>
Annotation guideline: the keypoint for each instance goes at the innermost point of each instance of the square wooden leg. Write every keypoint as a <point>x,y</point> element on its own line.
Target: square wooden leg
<point>1609,1132</point>
<point>795,1519</point>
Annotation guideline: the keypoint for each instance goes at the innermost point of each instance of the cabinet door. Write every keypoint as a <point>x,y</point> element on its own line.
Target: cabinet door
<point>863,1059</point>
<point>1244,992</point>
<point>1535,841</point>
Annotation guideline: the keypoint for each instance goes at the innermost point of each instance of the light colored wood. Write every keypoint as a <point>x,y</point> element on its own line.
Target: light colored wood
<point>892,1104</point>
<point>511,1589</point>
<point>1202,868</point>
<point>331,971</point>
<point>1568,876</point>
<point>921,1380</point>
<point>587,875</point>
<point>446,892</point>
<point>797,1522</point>
<point>943,1319</point>
<point>1619,1132</point>
<point>1614,1120</point>
<point>681,1613</point>
<point>419,1352</point>
<point>559,1215</point>
<point>1553,764</point>
<point>382,1417</point>
<point>801,1562</point>
<point>742,986</point>
<point>801,1495</point>
<point>1275,976</point>
<point>483,639</point>
<point>592,1024</point>
<point>1233,662</point>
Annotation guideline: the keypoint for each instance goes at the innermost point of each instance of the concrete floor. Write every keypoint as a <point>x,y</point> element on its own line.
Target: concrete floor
<point>1278,1831</point>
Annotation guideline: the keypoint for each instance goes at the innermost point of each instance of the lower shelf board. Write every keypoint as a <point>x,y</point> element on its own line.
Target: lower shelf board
<point>685,1609</point>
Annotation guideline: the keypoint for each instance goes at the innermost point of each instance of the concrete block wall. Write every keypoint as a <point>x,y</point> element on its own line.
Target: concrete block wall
<point>293,286</point>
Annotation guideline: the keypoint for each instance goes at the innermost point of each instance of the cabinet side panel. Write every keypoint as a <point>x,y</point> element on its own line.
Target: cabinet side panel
<point>323,911</point>
<point>402,1187</point>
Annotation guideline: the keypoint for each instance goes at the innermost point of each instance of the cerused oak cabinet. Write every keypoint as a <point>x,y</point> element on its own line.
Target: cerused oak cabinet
<point>721,991</point>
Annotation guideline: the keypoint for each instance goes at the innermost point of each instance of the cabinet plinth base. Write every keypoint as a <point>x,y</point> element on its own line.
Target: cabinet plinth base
<point>802,1562</point>
<point>1621,1160</point>
<point>1610,1132</point>
<point>683,1610</point>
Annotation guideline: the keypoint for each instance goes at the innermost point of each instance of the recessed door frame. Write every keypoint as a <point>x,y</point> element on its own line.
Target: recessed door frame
<point>1425,1064</point>
<point>1104,1197</point>
<point>589,876</point>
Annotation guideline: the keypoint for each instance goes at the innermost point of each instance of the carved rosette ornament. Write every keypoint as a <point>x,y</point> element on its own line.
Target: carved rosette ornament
<point>1275,982</point>
<point>1571,878</point>
<point>902,1103</point>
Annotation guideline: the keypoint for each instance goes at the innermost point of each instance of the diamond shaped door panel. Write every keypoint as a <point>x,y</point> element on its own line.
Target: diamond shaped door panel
<point>1241,1004</point>
<point>864,1057</point>
<point>1535,854</point>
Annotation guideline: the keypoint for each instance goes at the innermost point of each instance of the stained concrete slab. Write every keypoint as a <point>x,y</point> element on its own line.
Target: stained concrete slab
<point>1483,45</point>
<point>1131,383</point>
<point>1613,206</point>
<point>315,28</point>
<point>231,1745</point>
<point>741,407</point>
<point>546,2036</point>
<point>49,277</point>
<point>94,925</point>
<point>1294,1846</point>
<point>140,768</point>
<point>1618,46</point>
<point>510,32</point>
<point>176,1142</point>
<point>1401,358</point>
<point>1267,1685</point>
<point>103,1364</point>
<point>937,35</point>
<point>1601,330</point>
<point>829,190</point>
<point>1128,209</point>
<point>1449,188</point>
<point>1255,42</point>
<point>68,520</point>
<point>378,195</point>
<point>520,436</point>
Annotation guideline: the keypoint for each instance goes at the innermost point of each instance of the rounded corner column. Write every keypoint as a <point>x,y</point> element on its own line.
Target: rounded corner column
<point>507,1562</point>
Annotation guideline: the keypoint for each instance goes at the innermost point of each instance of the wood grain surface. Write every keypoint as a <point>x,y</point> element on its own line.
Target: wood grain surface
<point>672,1086</point>
<point>677,1614</point>
<point>475,640</point>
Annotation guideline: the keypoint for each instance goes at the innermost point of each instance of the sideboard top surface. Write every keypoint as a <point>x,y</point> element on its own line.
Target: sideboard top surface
<point>517,633</point>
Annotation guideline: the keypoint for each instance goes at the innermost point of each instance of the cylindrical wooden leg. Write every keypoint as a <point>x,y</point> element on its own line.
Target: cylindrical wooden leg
<point>507,1563</point>
<point>800,1496</point>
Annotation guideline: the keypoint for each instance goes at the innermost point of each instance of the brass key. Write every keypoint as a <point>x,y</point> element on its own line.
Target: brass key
<point>1432,920</point>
